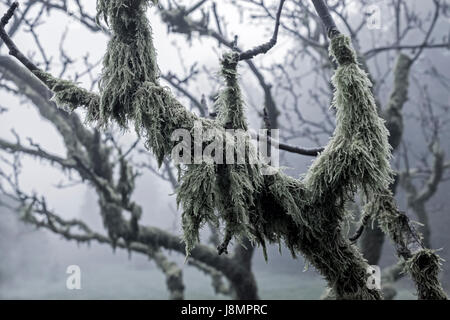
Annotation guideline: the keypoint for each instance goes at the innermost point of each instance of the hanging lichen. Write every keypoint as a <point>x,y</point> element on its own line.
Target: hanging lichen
<point>421,263</point>
<point>196,193</point>
<point>230,105</point>
<point>130,58</point>
<point>157,115</point>
<point>424,268</point>
<point>231,187</point>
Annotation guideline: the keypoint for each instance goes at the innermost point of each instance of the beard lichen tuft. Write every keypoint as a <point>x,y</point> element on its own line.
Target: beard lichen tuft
<point>196,194</point>
<point>130,59</point>
<point>229,104</point>
<point>358,154</point>
<point>424,267</point>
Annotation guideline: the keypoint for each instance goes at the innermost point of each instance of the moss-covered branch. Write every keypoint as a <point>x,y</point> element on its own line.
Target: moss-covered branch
<point>304,213</point>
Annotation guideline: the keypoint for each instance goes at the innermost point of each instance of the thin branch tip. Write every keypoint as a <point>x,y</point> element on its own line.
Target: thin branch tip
<point>265,47</point>
<point>9,14</point>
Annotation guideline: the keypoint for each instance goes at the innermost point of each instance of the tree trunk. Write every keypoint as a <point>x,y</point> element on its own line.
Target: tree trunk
<point>244,284</point>
<point>372,244</point>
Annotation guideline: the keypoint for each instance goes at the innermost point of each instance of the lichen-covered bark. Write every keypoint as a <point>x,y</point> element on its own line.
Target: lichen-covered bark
<point>421,263</point>
<point>174,275</point>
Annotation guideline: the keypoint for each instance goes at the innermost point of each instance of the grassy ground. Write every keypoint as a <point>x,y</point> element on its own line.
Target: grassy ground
<point>115,281</point>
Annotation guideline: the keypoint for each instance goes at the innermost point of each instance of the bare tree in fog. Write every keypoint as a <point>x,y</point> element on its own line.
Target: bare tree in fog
<point>305,214</point>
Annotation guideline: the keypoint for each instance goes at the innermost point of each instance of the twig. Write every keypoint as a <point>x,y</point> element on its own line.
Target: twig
<point>264,48</point>
<point>313,152</point>
<point>324,14</point>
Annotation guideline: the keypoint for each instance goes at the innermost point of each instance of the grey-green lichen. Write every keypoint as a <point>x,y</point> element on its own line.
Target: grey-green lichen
<point>422,264</point>
<point>197,195</point>
<point>306,214</point>
<point>358,154</point>
<point>230,190</point>
<point>157,114</point>
<point>130,59</point>
<point>397,99</point>
<point>69,96</point>
<point>229,104</point>
<point>424,267</point>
